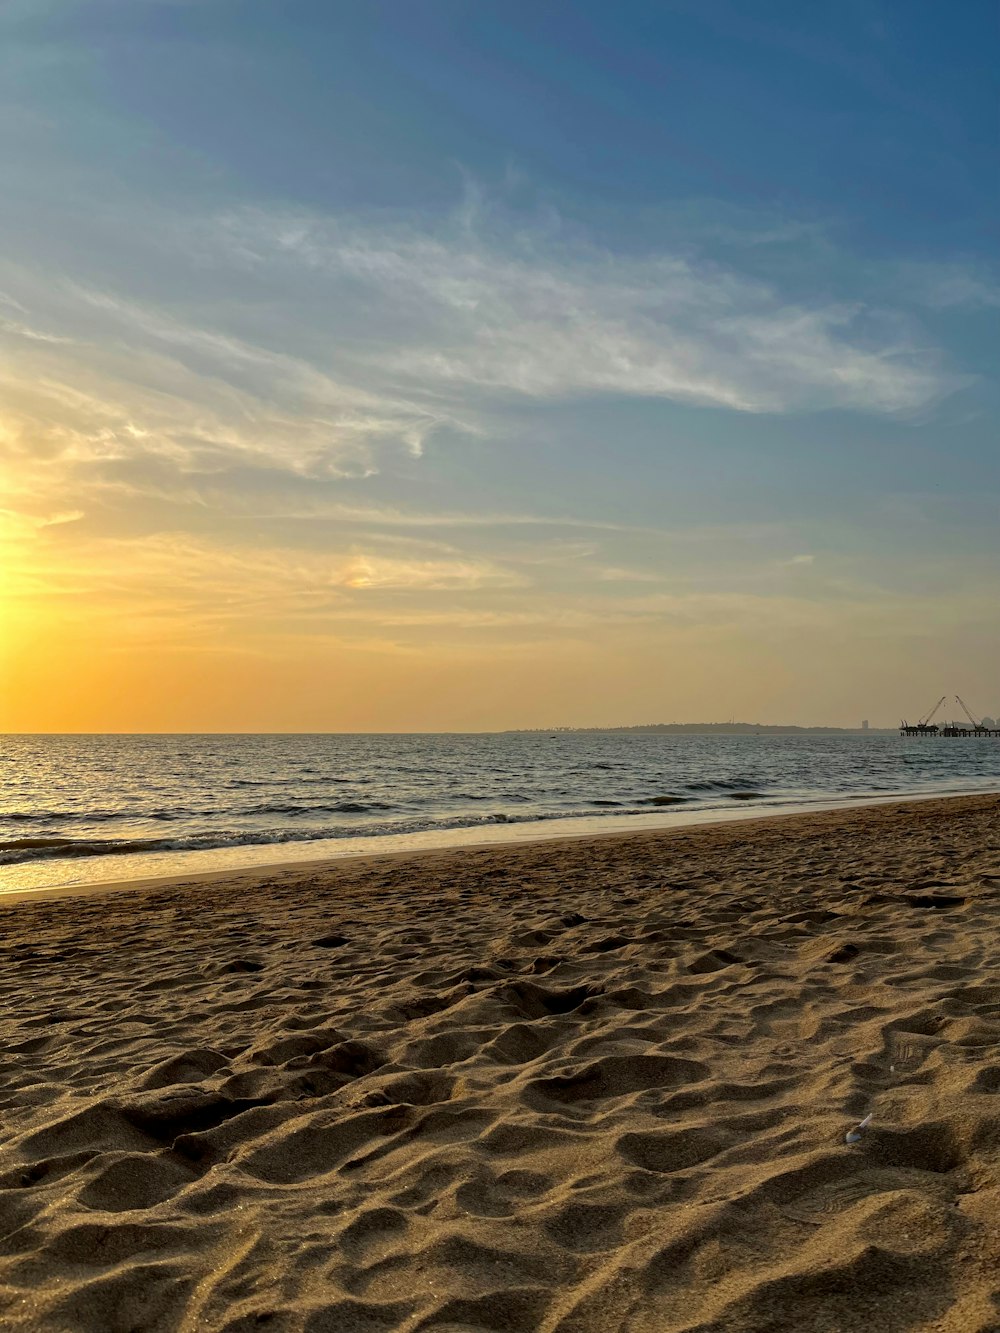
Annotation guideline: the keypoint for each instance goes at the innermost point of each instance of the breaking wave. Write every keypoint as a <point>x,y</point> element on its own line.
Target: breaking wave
<point>14,851</point>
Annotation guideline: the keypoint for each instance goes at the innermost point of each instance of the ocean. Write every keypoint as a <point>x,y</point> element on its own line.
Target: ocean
<point>82,809</point>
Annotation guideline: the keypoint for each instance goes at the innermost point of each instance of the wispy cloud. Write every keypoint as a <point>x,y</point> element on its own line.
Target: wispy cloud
<point>949,286</point>
<point>322,346</point>
<point>535,317</point>
<point>232,400</point>
<point>173,576</point>
<point>382,572</point>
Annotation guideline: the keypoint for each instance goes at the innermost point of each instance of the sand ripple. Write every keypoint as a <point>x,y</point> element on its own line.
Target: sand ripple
<point>572,1088</point>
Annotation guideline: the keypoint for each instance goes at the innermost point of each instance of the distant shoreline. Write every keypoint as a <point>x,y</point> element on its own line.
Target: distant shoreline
<point>705,729</point>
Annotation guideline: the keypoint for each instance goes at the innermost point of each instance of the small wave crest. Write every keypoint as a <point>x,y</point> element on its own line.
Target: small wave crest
<point>723,784</point>
<point>18,850</point>
<point>76,816</point>
<point>337,808</point>
<point>33,844</point>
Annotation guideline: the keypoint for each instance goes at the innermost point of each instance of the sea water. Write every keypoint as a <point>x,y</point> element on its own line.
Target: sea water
<point>79,809</point>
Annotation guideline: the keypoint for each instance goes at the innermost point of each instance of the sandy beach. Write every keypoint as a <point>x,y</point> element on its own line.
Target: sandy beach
<point>577,1086</point>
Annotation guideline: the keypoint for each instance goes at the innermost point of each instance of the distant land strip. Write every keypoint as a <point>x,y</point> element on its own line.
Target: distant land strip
<point>716,728</point>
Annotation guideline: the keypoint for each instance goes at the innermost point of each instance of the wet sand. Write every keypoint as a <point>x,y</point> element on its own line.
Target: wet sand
<point>574,1086</point>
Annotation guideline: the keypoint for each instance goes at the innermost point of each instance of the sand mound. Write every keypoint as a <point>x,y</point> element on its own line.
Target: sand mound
<point>572,1087</point>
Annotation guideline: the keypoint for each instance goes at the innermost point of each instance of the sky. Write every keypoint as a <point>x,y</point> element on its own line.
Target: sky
<point>411,365</point>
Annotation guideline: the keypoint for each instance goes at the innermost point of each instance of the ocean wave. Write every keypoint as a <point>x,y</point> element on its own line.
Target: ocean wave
<point>129,816</point>
<point>296,780</point>
<point>338,808</point>
<point>723,784</point>
<point>18,850</point>
<point>99,816</point>
<point>32,844</point>
<point>15,850</point>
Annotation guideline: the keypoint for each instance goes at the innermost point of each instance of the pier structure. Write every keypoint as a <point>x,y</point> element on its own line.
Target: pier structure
<point>926,727</point>
<point>949,729</point>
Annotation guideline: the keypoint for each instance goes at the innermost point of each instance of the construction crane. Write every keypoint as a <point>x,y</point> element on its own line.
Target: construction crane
<point>924,721</point>
<point>965,710</point>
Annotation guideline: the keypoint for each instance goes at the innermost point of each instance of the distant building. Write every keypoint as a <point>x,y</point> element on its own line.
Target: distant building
<point>864,725</point>
<point>988,722</point>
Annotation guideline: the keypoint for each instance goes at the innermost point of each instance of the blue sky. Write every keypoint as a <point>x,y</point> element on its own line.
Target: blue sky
<point>444,341</point>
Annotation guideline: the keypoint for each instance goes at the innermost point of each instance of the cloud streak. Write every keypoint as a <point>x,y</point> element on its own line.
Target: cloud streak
<point>324,346</point>
<point>530,317</point>
<point>213,441</point>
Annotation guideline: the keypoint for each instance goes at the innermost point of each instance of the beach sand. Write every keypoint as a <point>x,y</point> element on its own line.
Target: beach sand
<point>578,1086</point>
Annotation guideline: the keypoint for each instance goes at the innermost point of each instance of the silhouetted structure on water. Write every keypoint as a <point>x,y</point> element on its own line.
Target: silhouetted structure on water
<point>926,727</point>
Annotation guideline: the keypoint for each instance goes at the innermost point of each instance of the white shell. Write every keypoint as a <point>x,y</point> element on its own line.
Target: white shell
<point>854,1135</point>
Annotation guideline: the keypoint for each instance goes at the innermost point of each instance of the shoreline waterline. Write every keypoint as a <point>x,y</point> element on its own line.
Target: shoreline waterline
<point>112,809</point>
<point>236,862</point>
